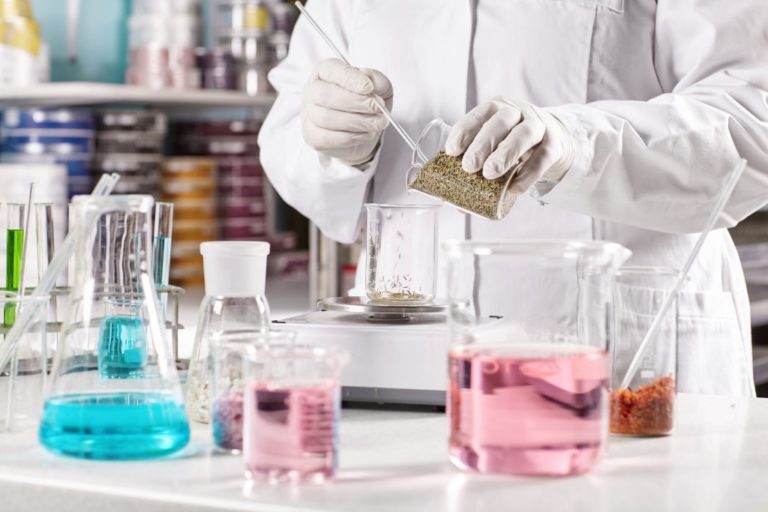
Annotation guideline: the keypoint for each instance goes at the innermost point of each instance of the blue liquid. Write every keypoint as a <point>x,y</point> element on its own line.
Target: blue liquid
<point>161,261</point>
<point>115,426</point>
<point>122,347</point>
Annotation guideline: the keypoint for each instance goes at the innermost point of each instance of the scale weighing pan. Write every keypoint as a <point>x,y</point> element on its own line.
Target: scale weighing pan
<point>433,312</point>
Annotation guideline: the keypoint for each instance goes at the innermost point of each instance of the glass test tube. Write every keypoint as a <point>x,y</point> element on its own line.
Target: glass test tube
<point>161,263</point>
<point>45,241</point>
<point>163,233</point>
<point>14,251</point>
<point>45,249</point>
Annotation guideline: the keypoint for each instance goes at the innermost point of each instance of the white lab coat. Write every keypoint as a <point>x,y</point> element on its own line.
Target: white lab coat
<point>663,97</point>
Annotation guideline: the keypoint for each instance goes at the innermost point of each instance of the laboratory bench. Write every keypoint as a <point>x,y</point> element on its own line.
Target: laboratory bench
<point>717,460</point>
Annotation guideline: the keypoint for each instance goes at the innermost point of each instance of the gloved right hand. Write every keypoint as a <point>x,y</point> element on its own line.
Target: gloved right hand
<point>339,116</point>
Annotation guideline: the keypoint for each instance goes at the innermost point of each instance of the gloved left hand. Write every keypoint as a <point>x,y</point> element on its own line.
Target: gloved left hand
<point>496,134</point>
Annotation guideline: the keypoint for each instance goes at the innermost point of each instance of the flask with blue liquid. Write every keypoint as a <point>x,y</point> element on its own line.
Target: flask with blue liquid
<point>114,390</point>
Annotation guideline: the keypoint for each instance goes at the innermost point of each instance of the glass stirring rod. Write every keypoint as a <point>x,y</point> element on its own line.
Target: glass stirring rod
<point>377,100</point>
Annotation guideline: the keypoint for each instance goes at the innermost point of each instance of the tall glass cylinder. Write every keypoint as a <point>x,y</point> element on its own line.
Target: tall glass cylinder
<point>45,236</point>
<point>162,247</point>
<point>14,255</point>
<point>401,253</point>
<point>528,366</point>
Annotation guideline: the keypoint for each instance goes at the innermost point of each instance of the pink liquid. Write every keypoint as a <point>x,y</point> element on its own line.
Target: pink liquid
<point>290,432</point>
<point>528,409</point>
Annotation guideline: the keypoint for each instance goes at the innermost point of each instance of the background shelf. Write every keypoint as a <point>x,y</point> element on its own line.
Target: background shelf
<point>61,94</point>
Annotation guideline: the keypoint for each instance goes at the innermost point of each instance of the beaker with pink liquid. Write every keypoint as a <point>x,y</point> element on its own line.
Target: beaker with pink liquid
<point>529,374</point>
<point>291,412</point>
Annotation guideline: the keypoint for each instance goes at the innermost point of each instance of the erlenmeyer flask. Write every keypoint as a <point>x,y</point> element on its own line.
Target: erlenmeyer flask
<point>114,390</point>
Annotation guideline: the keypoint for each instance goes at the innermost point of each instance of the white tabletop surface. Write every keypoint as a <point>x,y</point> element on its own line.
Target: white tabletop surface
<point>717,460</point>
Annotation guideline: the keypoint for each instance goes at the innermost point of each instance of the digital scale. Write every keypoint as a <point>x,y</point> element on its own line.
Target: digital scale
<point>398,353</point>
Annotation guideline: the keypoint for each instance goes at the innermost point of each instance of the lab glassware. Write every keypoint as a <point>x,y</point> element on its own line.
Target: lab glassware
<point>14,256</point>
<point>235,274</point>
<point>646,406</point>
<point>230,370</point>
<point>401,253</point>
<point>291,412</point>
<point>114,390</point>
<point>443,178</point>
<point>161,259</point>
<point>23,378</point>
<point>528,363</point>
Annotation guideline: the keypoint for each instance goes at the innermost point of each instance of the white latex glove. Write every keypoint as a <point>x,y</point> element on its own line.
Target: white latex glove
<point>494,135</point>
<point>339,116</point>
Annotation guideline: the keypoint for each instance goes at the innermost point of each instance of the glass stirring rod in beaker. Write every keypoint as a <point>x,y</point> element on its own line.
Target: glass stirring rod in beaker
<point>378,101</point>
<point>730,185</point>
<point>161,258</point>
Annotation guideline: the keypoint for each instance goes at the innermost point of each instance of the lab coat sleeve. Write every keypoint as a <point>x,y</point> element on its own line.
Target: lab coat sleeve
<point>326,190</point>
<point>661,164</point>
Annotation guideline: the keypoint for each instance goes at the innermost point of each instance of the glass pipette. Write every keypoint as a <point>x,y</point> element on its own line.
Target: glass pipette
<point>377,100</point>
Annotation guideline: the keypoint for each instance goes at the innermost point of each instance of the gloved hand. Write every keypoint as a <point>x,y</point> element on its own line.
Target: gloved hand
<point>338,114</point>
<point>494,135</point>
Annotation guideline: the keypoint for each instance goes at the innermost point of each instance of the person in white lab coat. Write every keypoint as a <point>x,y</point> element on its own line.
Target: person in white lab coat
<point>636,110</point>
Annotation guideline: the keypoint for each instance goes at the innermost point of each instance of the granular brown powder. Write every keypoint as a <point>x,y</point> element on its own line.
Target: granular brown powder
<point>649,411</point>
<point>444,178</point>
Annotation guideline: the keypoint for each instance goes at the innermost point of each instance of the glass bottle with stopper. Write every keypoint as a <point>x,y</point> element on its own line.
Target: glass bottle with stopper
<point>114,390</point>
<point>234,303</point>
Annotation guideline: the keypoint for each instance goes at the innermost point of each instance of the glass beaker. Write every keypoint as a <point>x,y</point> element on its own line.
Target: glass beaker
<point>528,364</point>
<point>401,253</point>
<point>235,275</point>
<point>442,177</point>
<point>230,370</point>
<point>22,381</point>
<point>291,412</point>
<point>114,390</point>
<point>647,406</point>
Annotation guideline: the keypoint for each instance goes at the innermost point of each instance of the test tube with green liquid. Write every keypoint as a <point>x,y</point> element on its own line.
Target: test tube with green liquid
<point>14,253</point>
<point>161,261</point>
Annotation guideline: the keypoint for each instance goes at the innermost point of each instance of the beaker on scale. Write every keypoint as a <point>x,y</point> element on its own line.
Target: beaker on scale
<point>114,390</point>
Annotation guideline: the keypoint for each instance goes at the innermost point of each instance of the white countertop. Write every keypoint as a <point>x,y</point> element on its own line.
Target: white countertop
<point>717,460</point>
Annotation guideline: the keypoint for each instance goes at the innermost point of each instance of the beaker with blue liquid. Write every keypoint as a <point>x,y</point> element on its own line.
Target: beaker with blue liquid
<point>114,390</point>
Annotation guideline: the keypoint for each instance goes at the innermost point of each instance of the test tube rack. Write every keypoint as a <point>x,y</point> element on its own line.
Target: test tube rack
<point>172,323</point>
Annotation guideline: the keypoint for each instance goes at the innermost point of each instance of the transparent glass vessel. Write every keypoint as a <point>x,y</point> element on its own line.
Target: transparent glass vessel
<point>647,406</point>
<point>114,390</point>
<point>23,378</point>
<point>291,412</point>
<point>401,253</point>
<point>230,371</point>
<point>234,302</point>
<point>469,192</point>
<point>530,328</point>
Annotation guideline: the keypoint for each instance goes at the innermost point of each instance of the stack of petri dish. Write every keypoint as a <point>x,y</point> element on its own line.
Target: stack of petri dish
<point>219,69</point>
<point>284,16</point>
<point>189,182</point>
<point>246,204</point>
<point>245,29</point>
<point>130,143</point>
<point>54,136</point>
<point>163,38</point>
<point>241,186</point>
